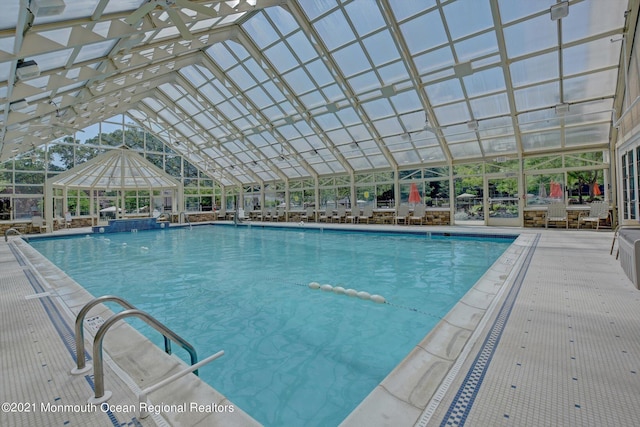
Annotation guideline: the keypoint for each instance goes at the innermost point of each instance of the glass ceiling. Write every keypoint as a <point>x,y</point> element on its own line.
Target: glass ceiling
<point>268,90</point>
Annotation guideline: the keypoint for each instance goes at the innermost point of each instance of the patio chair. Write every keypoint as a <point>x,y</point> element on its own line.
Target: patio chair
<point>222,214</point>
<point>325,216</point>
<point>308,215</point>
<point>556,212</point>
<point>37,223</point>
<point>367,214</point>
<point>598,211</point>
<point>418,214</point>
<point>402,214</point>
<point>355,214</point>
<point>341,213</point>
<point>67,219</point>
<point>279,214</point>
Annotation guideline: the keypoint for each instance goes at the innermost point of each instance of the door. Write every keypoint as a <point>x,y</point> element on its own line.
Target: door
<point>502,204</point>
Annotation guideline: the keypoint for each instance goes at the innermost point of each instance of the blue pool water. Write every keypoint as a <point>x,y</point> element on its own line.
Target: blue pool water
<point>293,355</point>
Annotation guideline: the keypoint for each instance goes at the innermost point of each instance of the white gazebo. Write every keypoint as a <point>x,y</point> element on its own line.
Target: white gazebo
<point>116,171</point>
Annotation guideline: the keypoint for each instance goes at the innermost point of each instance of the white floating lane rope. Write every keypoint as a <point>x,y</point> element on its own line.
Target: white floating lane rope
<point>349,292</point>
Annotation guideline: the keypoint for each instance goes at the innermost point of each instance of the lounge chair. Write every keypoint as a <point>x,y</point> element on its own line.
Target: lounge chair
<point>308,215</point>
<point>354,215</point>
<point>37,223</point>
<point>222,214</point>
<point>556,212</point>
<point>67,219</point>
<point>280,214</point>
<point>341,213</point>
<point>598,211</point>
<point>367,214</point>
<point>418,214</point>
<point>402,214</point>
<point>325,216</point>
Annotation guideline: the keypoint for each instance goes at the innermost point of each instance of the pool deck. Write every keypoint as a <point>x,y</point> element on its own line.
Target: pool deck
<point>548,336</point>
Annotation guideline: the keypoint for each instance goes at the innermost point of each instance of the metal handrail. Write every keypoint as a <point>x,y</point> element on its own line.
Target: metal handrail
<point>142,397</point>
<point>98,371</point>
<point>81,366</point>
<point>186,218</point>
<point>6,234</point>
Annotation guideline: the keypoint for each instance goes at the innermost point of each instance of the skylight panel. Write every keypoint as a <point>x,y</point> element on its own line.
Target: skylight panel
<point>299,81</point>
<point>328,122</point>
<point>506,145</point>
<point>511,10</point>
<point>365,16</point>
<point>444,92</point>
<point>490,106</point>
<point>452,113</point>
<point>394,73</point>
<point>403,9</point>
<point>315,8</point>
<point>378,108</point>
<point>582,135</point>
<point>462,23</point>
<point>281,57</point>
<point>52,60</point>
<point>228,110</point>
<point>241,77</point>
<point>192,75</point>
<point>221,56</point>
<point>256,71</point>
<point>300,45</point>
<point>351,60</point>
<point>590,86</point>
<point>381,48</point>
<point>538,96</point>
<point>94,50</point>
<point>405,102</point>
<point>209,92</point>
<point>364,82</point>
<point>388,126</point>
<point>476,47</point>
<point>274,91</point>
<point>540,140</point>
<point>465,150</point>
<point>424,32</point>
<point>529,36</point>
<point>592,17</point>
<point>334,30</point>
<point>9,16</point>
<point>259,97</point>
<point>5,71</point>
<point>313,100</point>
<point>349,117</point>
<point>484,82</point>
<point>282,20</point>
<point>536,69</point>
<point>589,56</point>
<point>434,60</point>
<point>260,30</point>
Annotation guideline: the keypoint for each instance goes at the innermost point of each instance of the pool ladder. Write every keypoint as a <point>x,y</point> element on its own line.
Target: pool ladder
<point>14,231</point>
<point>186,219</point>
<point>82,367</point>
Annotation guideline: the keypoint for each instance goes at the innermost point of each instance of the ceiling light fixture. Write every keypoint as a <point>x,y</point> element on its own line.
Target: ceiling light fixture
<point>18,105</point>
<point>47,7</point>
<point>27,69</point>
<point>559,10</point>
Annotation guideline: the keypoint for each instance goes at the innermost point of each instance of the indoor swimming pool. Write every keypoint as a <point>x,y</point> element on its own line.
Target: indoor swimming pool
<point>293,355</point>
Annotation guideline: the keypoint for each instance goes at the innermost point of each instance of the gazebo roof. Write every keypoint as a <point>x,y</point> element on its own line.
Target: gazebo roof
<point>119,169</point>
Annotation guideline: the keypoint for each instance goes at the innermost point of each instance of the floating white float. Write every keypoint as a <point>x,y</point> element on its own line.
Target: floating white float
<point>363,295</point>
<point>144,248</point>
<point>378,299</point>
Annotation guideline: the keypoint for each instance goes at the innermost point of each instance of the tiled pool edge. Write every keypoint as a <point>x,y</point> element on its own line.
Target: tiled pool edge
<point>145,357</point>
<point>413,390</point>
